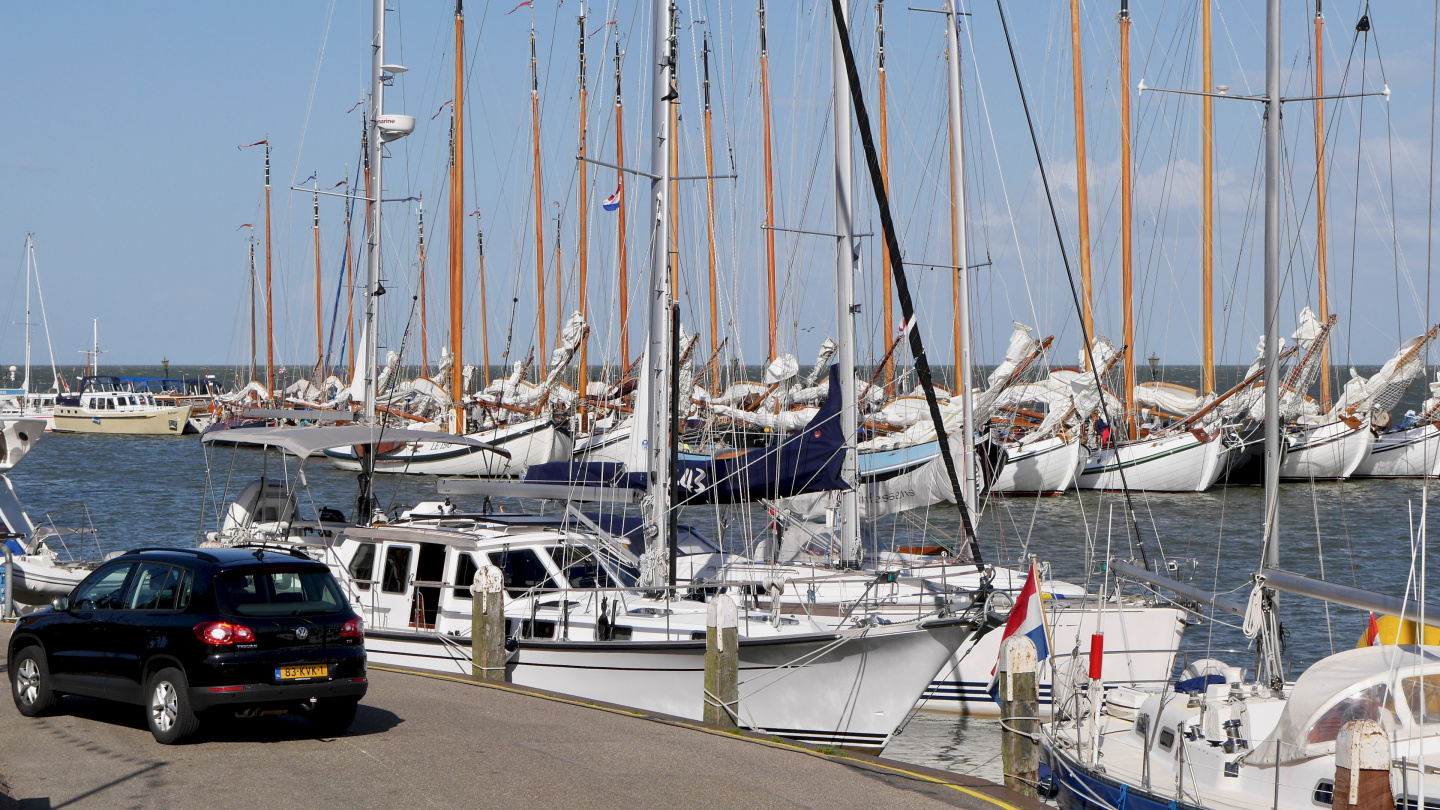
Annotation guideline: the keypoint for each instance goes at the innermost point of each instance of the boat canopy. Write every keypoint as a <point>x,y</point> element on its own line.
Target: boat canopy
<point>307,441</point>
<point>1396,686</point>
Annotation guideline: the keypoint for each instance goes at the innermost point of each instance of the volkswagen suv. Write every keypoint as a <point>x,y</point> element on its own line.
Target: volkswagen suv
<point>193,632</point>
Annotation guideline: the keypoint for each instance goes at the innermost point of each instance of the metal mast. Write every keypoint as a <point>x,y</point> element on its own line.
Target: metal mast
<point>845,297</point>
<point>457,234</point>
<point>319,294</point>
<point>269,303</point>
<point>962,259</point>
<point>370,350</point>
<point>583,237</point>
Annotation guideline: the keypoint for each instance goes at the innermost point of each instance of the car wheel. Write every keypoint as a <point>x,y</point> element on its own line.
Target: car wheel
<point>331,716</point>
<point>31,680</point>
<point>167,707</point>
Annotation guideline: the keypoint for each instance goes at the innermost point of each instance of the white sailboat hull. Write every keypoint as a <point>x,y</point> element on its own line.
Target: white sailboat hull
<point>535,441</point>
<point>1330,452</point>
<point>1141,645</point>
<point>849,689</point>
<point>1045,467</point>
<point>1410,453</point>
<point>1178,463</point>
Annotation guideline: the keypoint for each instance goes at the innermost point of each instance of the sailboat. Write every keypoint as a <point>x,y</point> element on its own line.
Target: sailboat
<point>1215,738</point>
<point>24,401</point>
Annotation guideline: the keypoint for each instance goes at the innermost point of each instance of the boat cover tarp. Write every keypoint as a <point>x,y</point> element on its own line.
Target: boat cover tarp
<point>806,461</point>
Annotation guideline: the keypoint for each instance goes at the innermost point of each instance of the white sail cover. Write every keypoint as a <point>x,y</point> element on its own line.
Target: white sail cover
<point>1170,398</point>
<point>1384,389</point>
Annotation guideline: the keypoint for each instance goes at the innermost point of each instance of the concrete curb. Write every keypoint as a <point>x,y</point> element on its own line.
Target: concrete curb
<point>995,795</point>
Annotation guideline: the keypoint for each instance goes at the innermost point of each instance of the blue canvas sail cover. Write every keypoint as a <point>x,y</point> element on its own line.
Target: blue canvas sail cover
<point>806,461</point>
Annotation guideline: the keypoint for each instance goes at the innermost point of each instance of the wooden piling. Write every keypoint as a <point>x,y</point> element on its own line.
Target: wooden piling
<point>722,662</point>
<point>487,624</point>
<point>1019,710</point>
<point>1362,767</point>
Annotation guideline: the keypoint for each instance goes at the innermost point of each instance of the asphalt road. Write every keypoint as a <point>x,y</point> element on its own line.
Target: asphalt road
<point>422,742</point>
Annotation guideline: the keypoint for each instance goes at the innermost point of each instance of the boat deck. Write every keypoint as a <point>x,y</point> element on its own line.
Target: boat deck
<point>422,741</point>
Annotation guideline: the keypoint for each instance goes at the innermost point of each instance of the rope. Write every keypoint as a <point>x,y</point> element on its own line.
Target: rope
<point>712,700</point>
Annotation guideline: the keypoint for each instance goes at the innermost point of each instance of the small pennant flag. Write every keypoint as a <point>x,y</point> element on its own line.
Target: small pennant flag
<point>613,201</point>
<point>517,8</point>
<point>246,225</point>
<point>265,142</point>
<point>442,109</point>
<point>309,179</point>
<point>1372,633</point>
<point>357,104</point>
<point>338,185</point>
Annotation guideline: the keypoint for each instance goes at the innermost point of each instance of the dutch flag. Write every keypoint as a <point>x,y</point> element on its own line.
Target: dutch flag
<point>1027,618</point>
<point>613,201</point>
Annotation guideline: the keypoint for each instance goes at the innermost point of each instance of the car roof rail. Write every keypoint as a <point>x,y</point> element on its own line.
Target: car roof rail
<point>204,555</point>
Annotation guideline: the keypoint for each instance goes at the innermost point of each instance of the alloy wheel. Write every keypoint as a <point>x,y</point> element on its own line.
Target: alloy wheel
<point>162,706</point>
<point>27,681</point>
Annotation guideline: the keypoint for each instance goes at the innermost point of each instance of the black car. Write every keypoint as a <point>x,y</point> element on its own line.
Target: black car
<point>185,632</point>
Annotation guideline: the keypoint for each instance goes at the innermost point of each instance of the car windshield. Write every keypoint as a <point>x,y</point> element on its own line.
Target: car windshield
<point>279,593</point>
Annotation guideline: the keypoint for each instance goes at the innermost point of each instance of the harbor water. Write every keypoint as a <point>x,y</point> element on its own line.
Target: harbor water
<point>165,491</point>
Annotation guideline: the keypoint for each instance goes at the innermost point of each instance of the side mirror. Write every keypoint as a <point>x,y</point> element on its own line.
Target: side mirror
<point>60,603</point>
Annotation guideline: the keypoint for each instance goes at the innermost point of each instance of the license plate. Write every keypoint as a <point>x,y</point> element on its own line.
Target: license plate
<point>302,672</point>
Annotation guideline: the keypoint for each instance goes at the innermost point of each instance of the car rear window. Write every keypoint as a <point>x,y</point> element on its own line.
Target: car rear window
<point>279,592</point>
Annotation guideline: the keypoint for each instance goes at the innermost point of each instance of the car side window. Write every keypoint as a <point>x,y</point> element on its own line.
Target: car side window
<point>362,566</point>
<point>149,589</point>
<point>105,589</point>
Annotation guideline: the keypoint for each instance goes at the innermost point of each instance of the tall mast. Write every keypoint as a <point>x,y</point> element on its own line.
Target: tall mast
<point>886,292</point>
<point>771,298</point>
<point>962,259</point>
<point>674,141</point>
<point>1272,324</point>
<point>559,282</point>
<point>457,233</point>
<point>1126,235</point>
<point>1207,214</point>
<point>29,268</point>
<point>374,186</point>
<point>1321,248</point>
<point>539,197</point>
<point>253,332</point>
<point>484,307</point>
<point>1082,220</point>
<point>845,298</point>
<point>269,301</point>
<point>424,297</point>
<point>319,295</point>
<point>350,260</point>
<point>653,436</point>
<point>620,222</point>
<point>710,225</point>
<point>582,251</point>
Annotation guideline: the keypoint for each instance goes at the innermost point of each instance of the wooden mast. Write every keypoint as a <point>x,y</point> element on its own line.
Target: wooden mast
<point>1126,234</point>
<point>769,188</point>
<point>1081,180</point>
<point>1321,248</point>
<point>319,306</point>
<point>620,222</point>
<point>484,308</point>
<point>349,332</point>
<point>887,294</point>
<point>674,156</point>
<point>559,283</point>
<point>457,232</point>
<point>582,255</point>
<point>539,197</point>
<point>269,300</point>
<point>424,314</point>
<point>1207,214</point>
<point>710,225</point>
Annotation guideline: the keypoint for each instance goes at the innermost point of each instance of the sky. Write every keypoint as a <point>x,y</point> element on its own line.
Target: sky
<point>123,164</point>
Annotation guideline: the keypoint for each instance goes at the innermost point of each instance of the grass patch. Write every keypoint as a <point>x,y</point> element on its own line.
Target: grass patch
<point>826,750</point>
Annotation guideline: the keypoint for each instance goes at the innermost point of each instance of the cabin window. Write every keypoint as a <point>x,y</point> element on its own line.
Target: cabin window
<point>580,567</point>
<point>465,569</point>
<point>397,569</point>
<point>1371,703</point>
<point>362,566</point>
<point>1422,695</point>
<point>1167,738</point>
<point>523,570</point>
<point>1324,794</point>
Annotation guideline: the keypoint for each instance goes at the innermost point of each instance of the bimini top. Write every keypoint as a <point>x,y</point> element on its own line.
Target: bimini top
<point>307,441</point>
<point>1397,686</point>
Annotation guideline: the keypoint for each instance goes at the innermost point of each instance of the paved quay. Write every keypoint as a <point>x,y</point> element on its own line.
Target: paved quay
<point>433,742</point>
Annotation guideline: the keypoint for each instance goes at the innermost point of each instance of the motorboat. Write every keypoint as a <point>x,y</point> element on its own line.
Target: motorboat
<point>106,405</point>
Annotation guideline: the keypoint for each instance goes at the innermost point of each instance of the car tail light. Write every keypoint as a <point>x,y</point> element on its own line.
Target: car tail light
<point>355,628</point>
<point>221,634</point>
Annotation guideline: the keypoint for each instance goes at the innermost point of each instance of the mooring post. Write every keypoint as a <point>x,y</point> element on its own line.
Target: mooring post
<point>1019,710</point>
<point>487,624</point>
<point>1362,767</point>
<point>722,662</point>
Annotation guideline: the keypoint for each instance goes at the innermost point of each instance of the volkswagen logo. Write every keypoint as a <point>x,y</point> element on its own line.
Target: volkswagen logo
<point>302,633</point>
